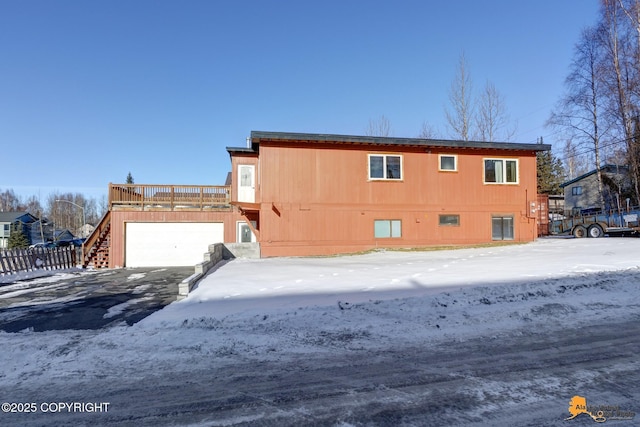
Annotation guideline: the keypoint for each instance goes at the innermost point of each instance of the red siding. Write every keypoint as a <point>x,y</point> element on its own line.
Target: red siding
<point>319,200</point>
<point>120,218</point>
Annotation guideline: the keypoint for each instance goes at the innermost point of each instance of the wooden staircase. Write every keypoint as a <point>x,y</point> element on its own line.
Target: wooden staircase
<point>95,250</point>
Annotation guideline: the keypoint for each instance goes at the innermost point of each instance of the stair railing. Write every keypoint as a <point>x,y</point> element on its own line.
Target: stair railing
<point>92,240</point>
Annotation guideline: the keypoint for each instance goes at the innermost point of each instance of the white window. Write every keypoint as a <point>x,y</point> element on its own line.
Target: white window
<point>385,167</point>
<point>576,191</point>
<point>447,162</point>
<point>384,228</point>
<point>500,171</point>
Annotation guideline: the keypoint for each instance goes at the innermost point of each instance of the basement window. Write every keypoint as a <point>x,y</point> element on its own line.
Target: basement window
<point>449,220</point>
<point>502,228</point>
<point>387,228</point>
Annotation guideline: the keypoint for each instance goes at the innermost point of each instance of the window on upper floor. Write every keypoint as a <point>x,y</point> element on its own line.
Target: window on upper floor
<point>500,171</point>
<point>576,191</point>
<point>448,162</point>
<point>382,166</point>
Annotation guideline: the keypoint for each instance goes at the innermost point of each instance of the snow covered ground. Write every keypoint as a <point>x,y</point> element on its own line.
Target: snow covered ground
<point>285,310</point>
<point>244,286</point>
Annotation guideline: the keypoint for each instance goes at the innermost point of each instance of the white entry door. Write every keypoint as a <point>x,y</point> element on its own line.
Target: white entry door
<point>246,183</point>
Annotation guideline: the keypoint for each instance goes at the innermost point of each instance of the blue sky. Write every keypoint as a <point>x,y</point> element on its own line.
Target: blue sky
<point>92,90</point>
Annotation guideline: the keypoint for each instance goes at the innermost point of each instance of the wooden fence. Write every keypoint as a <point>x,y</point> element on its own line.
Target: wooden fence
<point>17,260</point>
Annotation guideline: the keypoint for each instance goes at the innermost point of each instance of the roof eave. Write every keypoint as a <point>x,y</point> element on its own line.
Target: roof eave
<point>258,137</point>
<point>246,150</point>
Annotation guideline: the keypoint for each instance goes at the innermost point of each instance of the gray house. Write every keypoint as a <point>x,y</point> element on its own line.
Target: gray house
<point>8,218</point>
<point>581,193</point>
<point>37,231</point>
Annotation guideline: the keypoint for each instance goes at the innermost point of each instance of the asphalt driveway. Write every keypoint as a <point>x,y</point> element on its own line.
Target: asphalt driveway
<point>88,299</point>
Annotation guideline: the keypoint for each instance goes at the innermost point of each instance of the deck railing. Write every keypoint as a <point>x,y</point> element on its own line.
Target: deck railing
<point>174,197</point>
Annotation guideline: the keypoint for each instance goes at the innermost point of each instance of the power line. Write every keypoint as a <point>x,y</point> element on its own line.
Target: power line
<point>600,146</point>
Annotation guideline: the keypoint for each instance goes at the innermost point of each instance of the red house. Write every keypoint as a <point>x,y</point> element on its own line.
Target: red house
<point>316,194</point>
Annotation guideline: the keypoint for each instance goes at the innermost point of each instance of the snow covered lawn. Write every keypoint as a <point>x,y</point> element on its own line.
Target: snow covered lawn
<point>277,310</point>
<point>245,286</point>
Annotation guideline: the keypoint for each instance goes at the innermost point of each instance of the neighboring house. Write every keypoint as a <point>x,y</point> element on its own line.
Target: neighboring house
<point>581,193</point>
<point>63,236</point>
<point>36,230</point>
<point>315,194</point>
<point>86,230</point>
<point>9,218</point>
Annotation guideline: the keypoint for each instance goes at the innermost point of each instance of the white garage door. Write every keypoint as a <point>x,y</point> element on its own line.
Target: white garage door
<point>161,244</point>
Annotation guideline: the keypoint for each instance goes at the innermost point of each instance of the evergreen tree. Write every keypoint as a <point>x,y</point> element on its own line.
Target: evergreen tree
<point>129,178</point>
<point>17,238</point>
<point>550,173</point>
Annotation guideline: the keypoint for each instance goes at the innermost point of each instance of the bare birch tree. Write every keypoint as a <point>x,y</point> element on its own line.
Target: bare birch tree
<point>579,111</point>
<point>70,211</point>
<point>621,56</point>
<point>574,161</point>
<point>427,131</point>
<point>378,127</point>
<point>492,120</point>
<point>9,201</point>
<point>459,117</point>
<point>32,205</point>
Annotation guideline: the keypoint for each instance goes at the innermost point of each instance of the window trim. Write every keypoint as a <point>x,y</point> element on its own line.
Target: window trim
<point>441,224</point>
<point>455,162</point>
<point>391,223</point>
<point>504,161</point>
<point>384,166</point>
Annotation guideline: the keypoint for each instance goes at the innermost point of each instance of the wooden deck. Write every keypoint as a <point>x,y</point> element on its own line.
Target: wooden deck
<point>169,197</point>
<point>96,249</point>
